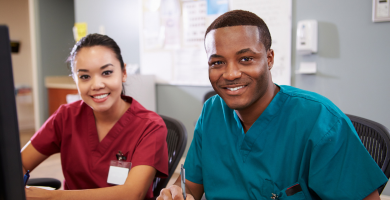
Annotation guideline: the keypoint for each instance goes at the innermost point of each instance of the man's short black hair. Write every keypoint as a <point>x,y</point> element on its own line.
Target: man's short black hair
<point>243,18</point>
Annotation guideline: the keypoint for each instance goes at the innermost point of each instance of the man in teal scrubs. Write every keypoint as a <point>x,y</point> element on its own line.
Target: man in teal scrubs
<point>259,140</point>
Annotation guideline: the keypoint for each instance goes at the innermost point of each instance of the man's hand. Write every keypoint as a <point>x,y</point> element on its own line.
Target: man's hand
<point>173,192</point>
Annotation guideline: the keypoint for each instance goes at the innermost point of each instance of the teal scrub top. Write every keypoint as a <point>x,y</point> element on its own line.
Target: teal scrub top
<point>300,138</point>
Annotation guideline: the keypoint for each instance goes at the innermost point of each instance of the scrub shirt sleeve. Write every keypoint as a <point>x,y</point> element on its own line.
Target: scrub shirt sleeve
<point>193,163</point>
<point>47,140</point>
<point>152,149</point>
<point>341,167</point>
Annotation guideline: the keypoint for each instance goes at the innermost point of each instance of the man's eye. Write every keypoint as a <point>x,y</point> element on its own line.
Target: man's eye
<point>84,77</point>
<point>105,73</point>
<point>246,59</point>
<point>216,63</point>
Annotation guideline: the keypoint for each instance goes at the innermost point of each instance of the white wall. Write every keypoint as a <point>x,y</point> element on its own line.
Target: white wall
<point>353,57</point>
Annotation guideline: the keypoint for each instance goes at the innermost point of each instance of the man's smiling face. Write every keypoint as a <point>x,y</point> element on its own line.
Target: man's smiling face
<point>239,65</point>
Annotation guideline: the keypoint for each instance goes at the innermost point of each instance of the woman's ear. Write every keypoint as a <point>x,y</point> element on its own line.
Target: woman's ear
<point>124,74</point>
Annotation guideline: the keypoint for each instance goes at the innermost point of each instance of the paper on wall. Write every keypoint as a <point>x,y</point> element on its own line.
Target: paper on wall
<point>158,63</point>
<point>80,30</point>
<point>194,23</point>
<point>191,67</point>
<point>153,32</point>
<point>170,15</point>
<point>277,15</point>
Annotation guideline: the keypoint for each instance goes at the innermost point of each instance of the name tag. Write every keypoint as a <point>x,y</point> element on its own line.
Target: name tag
<point>118,172</point>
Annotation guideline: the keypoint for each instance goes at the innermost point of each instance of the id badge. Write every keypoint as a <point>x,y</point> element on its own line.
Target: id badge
<point>118,172</point>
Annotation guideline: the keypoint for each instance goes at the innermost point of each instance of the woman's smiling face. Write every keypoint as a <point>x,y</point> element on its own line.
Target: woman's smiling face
<point>99,77</point>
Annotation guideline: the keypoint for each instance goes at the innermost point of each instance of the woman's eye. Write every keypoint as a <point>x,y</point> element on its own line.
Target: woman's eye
<point>84,77</point>
<point>246,59</point>
<point>107,73</point>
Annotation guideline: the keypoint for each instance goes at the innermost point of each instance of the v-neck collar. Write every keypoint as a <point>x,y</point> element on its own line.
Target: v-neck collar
<point>258,128</point>
<point>100,147</point>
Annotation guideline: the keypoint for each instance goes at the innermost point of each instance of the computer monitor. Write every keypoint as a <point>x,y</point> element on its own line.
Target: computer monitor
<point>11,172</point>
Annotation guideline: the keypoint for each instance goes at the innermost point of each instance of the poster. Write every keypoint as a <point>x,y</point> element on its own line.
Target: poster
<point>173,37</point>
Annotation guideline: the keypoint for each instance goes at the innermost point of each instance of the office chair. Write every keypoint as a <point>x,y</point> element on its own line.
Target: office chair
<point>176,141</point>
<point>376,138</point>
<point>48,182</point>
<point>208,95</point>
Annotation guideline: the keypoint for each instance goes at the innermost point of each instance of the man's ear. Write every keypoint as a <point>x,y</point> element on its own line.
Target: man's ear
<point>270,58</point>
<point>124,74</point>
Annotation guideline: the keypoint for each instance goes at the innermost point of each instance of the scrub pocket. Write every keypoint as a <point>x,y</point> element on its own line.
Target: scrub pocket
<point>270,191</point>
<point>293,192</point>
<point>267,190</point>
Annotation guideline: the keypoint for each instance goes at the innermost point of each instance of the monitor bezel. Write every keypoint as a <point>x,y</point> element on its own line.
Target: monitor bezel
<point>11,171</point>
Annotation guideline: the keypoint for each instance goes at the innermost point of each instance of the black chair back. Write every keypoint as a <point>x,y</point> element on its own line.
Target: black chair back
<point>208,95</point>
<point>376,138</point>
<point>176,141</point>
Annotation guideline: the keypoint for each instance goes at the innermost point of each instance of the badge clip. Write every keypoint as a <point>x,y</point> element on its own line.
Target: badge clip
<point>120,156</point>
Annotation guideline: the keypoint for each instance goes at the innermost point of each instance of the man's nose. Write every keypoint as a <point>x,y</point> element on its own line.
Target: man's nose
<point>232,72</point>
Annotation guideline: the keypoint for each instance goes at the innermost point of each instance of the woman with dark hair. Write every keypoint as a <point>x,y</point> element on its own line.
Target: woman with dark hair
<point>101,136</point>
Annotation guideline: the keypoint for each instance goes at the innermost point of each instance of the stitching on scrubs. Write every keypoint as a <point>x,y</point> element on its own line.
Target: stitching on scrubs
<point>332,111</point>
<point>328,133</point>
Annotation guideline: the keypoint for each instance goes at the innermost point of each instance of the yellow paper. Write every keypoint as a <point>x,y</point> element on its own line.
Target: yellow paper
<point>80,30</point>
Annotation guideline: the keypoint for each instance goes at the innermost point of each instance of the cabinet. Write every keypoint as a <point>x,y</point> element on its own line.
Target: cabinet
<point>57,97</point>
<point>57,88</point>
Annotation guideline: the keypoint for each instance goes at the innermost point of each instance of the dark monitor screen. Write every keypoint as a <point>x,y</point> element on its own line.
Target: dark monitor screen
<point>11,172</point>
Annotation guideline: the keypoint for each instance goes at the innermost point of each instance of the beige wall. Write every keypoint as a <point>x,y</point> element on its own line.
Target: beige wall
<point>15,14</point>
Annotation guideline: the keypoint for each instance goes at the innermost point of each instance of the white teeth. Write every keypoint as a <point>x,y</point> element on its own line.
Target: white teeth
<point>101,96</point>
<point>236,88</point>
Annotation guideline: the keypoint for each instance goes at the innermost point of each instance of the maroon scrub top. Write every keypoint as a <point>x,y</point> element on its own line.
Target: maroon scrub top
<point>139,133</point>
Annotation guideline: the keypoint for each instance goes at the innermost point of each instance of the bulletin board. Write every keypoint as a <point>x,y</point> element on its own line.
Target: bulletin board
<point>172,33</point>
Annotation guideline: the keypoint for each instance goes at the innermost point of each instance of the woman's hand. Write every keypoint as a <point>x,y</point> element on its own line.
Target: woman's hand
<point>33,193</point>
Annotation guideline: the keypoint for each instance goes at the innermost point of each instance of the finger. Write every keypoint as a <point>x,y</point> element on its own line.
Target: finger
<point>176,192</point>
<point>165,194</point>
<point>190,197</point>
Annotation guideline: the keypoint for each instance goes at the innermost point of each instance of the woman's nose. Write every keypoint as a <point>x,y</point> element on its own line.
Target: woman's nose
<point>97,84</point>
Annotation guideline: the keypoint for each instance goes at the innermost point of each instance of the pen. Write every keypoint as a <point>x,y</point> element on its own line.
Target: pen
<point>26,177</point>
<point>183,181</point>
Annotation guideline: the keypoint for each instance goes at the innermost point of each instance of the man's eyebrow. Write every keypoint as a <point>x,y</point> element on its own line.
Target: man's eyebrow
<point>245,51</point>
<point>102,67</point>
<point>215,56</point>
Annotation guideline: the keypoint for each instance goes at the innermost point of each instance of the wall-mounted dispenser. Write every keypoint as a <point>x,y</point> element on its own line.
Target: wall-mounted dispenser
<point>307,37</point>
